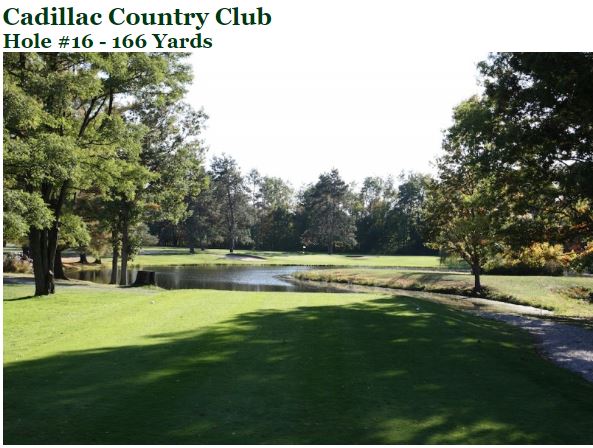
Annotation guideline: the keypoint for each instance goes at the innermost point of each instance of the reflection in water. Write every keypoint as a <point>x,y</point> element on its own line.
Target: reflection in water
<point>228,277</point>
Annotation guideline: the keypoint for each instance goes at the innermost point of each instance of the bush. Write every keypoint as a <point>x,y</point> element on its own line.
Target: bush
<point>17,263</point>
<point>583,261</point>
<point>537,259</point>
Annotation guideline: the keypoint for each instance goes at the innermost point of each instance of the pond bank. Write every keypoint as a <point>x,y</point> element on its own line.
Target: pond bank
<point>555,294</point>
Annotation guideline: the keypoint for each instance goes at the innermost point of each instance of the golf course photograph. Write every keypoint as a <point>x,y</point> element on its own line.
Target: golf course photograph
<point>173,276</point>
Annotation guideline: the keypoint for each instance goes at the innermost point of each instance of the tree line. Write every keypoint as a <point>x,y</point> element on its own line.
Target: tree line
<point>102,155</point>
<point>259,212</point>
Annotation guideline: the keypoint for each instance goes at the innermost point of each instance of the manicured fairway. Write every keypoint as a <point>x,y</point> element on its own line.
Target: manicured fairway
<point>543,292</point>
<point>106,365</point>
<point>157,256</point>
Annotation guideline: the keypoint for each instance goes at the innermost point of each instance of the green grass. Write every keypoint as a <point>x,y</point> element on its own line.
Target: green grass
<point>159,256</point>
<point>539,291</point>
<point>117,366</point>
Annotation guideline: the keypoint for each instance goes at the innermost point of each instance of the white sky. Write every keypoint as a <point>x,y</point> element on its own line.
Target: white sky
<point>364,116</point>
<point>363,86</point>
<point>346,89</point>
<point>366,87</point>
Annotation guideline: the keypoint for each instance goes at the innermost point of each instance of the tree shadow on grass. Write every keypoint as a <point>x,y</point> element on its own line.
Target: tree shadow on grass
<point>391,370</point>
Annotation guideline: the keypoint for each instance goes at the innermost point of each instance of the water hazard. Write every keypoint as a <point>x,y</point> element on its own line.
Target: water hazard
<point>228,277</point>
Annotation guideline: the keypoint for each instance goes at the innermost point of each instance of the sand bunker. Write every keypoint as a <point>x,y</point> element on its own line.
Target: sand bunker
<point>244,257</point>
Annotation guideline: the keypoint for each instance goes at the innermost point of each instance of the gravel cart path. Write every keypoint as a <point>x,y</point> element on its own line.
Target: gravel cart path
<point>569,346</point>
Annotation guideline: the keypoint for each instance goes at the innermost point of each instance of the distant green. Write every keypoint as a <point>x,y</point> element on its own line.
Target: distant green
<point>119,366</point>
<point>159,256</point>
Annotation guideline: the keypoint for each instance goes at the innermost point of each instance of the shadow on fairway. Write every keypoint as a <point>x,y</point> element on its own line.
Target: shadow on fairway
<point>392,370</point>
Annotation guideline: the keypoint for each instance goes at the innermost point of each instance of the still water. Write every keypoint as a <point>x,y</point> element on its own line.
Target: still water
<point>229,277</point>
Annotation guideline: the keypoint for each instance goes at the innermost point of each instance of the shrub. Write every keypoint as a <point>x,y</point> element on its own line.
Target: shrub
<point>537,259</point>
<point>17,263</point>
<point>583,261</point>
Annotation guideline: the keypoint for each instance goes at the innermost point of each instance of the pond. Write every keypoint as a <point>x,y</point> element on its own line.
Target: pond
<point>228,277</point>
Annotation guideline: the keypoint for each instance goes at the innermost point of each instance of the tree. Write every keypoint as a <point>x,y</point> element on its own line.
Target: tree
<point>253,182</point>
<point>230,191</point>
<point>280,231</point>
<point>275,224</point>
<point>375,201</point>
<point>169,172</point>
<point>90,206</point>
<point>73,234</point>
<point>465,218</point>
<point>23,210</point>
<point>202,226</point>
<point>274,193</point>
<point>270,207</point>
<point>405,221</point>
<point>61,132</point>
<point>330,222</point>
<point>545,150</point>
<point>465,210</point>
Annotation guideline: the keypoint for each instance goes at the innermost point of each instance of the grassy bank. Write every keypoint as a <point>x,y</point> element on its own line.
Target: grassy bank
<point>107,365</point>
<point>159,256</point>
<point>559,294</point>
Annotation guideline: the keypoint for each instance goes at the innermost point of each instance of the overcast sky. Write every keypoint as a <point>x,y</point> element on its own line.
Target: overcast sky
<point>365,87</point>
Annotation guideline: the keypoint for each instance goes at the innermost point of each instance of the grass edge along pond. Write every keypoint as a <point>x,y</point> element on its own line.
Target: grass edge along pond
<point>120,365</point>
<point>553,293</point>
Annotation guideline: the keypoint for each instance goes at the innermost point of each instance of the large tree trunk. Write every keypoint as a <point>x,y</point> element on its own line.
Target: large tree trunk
<point>59,266</point>
<point>114,258</point>
<point>44,244</point>
<point>232,237</point>
<point>232,223</point>
<point>52,247</point>
<point>43,266</point>
<point>125,241</point>
<point>114,255</point>
<point>476,270</point>
<point>83,259</point>
<point>38,246</point>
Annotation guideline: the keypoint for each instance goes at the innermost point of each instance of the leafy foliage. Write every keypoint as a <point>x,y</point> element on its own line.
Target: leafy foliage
<point>231,193</point>
<point>545,103</point>
<point>328,204</point>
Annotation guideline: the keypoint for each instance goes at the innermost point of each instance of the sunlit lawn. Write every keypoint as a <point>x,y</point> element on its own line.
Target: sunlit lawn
<point>107,365</point>
<point>539,291</point>
<point>158,256</point>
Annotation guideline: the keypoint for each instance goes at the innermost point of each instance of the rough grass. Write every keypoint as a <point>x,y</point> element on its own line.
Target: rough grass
<point>159,256</point>
<point>120,366</point>
<point>550,293</point>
